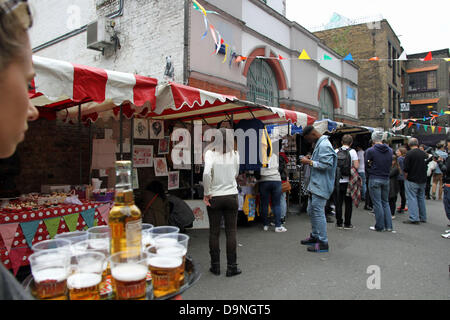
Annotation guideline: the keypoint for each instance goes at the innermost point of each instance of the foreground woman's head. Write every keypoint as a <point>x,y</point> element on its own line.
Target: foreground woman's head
<point>16,73</point>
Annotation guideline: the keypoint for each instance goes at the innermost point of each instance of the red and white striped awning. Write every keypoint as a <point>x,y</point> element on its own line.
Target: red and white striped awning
<point>61,85</point>
<point>184,103</point>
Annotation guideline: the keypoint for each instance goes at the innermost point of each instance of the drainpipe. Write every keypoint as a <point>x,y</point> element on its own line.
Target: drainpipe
<point>78,31</point>
<point>186,62</point>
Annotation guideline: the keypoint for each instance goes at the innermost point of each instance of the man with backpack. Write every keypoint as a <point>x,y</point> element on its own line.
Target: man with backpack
<point>346,159</point>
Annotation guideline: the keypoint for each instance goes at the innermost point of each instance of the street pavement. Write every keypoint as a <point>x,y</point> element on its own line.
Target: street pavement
<point>412,263</point>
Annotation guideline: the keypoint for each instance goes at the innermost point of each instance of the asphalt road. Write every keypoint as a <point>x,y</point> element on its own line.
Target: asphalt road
<point>412,263</point>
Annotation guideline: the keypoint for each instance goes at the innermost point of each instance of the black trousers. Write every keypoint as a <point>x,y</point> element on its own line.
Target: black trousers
<point>341,199</point>
<point>392,204</point>
<point>428,187</point>
<point>401,184</point>
<point>368,197</point>
<point>226,207</point>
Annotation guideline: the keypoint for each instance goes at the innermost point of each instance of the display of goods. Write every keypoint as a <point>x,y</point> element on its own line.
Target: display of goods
<point>104,196</point>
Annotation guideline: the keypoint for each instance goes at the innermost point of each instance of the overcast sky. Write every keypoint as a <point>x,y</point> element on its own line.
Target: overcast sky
<point>421,25</point>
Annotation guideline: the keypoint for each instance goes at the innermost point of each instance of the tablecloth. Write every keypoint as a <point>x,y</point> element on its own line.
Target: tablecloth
<point>19,231</point>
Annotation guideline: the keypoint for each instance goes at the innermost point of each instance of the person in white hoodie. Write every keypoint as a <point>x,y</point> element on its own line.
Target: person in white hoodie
<point>221,199</point>
<point>270,188</point>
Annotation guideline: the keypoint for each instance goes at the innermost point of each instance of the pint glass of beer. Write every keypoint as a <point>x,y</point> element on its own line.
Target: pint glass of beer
<point>129,273</point>
<point>165,272</point>
<point>99,239</point>
<point>84,282</point>
<point>50,269</point>
<point>175,244</point>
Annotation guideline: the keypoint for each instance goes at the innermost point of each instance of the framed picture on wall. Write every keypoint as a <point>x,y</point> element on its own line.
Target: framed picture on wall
<point>160,165</point>
<point>173,180</point>
<point>156,129</point>
<point>163,145</point>
<point>141,129</point>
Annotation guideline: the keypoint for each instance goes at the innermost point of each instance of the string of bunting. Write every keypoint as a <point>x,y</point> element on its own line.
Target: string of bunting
<point>400,124</point>
<point>220,42</point>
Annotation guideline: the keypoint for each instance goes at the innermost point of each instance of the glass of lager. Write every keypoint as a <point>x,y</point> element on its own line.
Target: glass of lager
<point>165,271</point>
<point>50,269</point>
<point>129,273</point>
<point>175,244</point>
<point>84,282</point>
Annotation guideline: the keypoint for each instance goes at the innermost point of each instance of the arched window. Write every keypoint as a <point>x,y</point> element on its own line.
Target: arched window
<point>326,104</point>
<point>262,84</point>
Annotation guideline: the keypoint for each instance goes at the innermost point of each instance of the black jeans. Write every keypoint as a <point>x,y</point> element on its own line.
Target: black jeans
<point>428,187</point>
<point>392,203</point>
<point>341,199</point>
<point>226,206</point>
<point>401,184</point>
<point>368,197</point>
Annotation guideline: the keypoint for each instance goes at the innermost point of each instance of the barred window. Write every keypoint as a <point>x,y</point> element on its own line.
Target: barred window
<point>262,84</point>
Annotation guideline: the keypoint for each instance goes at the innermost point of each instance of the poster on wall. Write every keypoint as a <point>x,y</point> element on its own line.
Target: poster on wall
<point>156,129</point>
<point>163,145</point>
<point>141,129</point>
<point>161,167</point>
<point>200,213</point>
<point>135,179</point>
<point>173,180</point>
<point>143,156</point>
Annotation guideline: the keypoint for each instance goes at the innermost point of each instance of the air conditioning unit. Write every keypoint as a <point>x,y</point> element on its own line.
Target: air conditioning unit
<point>98,36</point>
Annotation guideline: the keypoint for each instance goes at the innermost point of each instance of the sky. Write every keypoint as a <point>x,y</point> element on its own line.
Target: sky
<point>421,26</point>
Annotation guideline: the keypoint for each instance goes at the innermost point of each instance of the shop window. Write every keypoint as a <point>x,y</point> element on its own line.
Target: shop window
<point>262,84</point>
<point>422,81</point>
<point>326,105</point>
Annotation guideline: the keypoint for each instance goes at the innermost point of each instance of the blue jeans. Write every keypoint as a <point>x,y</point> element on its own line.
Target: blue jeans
<point>415,195</point>
<point>283,205</point>
<point>363,178</point>
<point>447,201</point>
<point>379,192</point>
<point>316,211</point>
<point>267,190</point>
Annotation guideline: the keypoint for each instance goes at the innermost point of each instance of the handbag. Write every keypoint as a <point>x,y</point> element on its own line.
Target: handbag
<point>286,186</point>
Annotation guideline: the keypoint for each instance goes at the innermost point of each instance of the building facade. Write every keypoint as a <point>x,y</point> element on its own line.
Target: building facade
<point>149,32</point>
<point>380,82</point>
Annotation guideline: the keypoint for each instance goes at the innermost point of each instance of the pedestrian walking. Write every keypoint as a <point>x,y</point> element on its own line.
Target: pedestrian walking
<point>283,161</point>
<point>401,153</point>
<point>437,175</point>
<point>415,170</point>
<point>393,185</point>
<point>444,165</point>
<point>323,164</point>
<point>368,203</point>
<point>270,191</point>
<point>16,74</point>
<point>362,171</point>
<point>379,162</point>
<point>221,198</point>
<point>430,171</point>
<point>347,158</point>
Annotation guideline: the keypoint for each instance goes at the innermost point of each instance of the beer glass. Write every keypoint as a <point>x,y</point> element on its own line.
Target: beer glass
<point>99,239</point>
<point>146,237</point>
<point>52,244</point>
<point>84,282</point>
<point>175,244</point>
<point>165,271</point>
<point>129,273</point>
<point>50,269</point>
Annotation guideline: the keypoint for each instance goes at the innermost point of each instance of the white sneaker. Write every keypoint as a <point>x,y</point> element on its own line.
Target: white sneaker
<point>447,231</point>
<point>266,228</point>
<point>445,236</point>
<point>280,229</point>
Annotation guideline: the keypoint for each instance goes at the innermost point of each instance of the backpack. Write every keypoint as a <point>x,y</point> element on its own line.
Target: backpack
<point>344,162</point>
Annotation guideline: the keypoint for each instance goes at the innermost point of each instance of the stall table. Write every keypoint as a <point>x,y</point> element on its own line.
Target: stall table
<point>20,230</point>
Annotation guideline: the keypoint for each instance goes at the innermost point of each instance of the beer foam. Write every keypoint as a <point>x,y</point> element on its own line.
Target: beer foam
<point>165,262</point>
<point>83,280</point>
<point>172,251</point>
<point>164,242</point>
<point>56,274</point>
<point>129,272</point>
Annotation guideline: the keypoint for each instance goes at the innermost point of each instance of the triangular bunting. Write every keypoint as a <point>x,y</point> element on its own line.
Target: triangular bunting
<point>8,233</point>
<point>410,125</point>
<point>304,56</point>
<point>417,126</point>
<point>348,57</point>
<point>325,57</point>
<point>439,129</point>
<point>104,212</point>
<point>429,57</point>
<point>88,217</point>
<point>403,57</point>
<point>280,57</point>
<point>374,59</point>
<point>29,230</point>
<point>447,130</point>
<point>71,221</point>
<point>433,128</point>
<point>16,257</point>
<point>52,226</point>
<point>425,127</point>
<point>447,59</point>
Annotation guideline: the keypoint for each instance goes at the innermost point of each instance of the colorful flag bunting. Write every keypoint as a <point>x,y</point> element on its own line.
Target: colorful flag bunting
<point>52,225</point>
<point>374,59</point>
<point>304,56</point>
<point>403,57</point>
<point>325,57</point>
<point>439,129</point>
<point>425,127</point>
<point>410,125</point>
<point>8,233</point>
<point>429,57</point>
<point>348,57</point>
<point>71,221</point>
<point>88,217</point>
<point>29,230</point>
<point>16,256</point>
<point>433,128</point>
<point>281,58</point>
